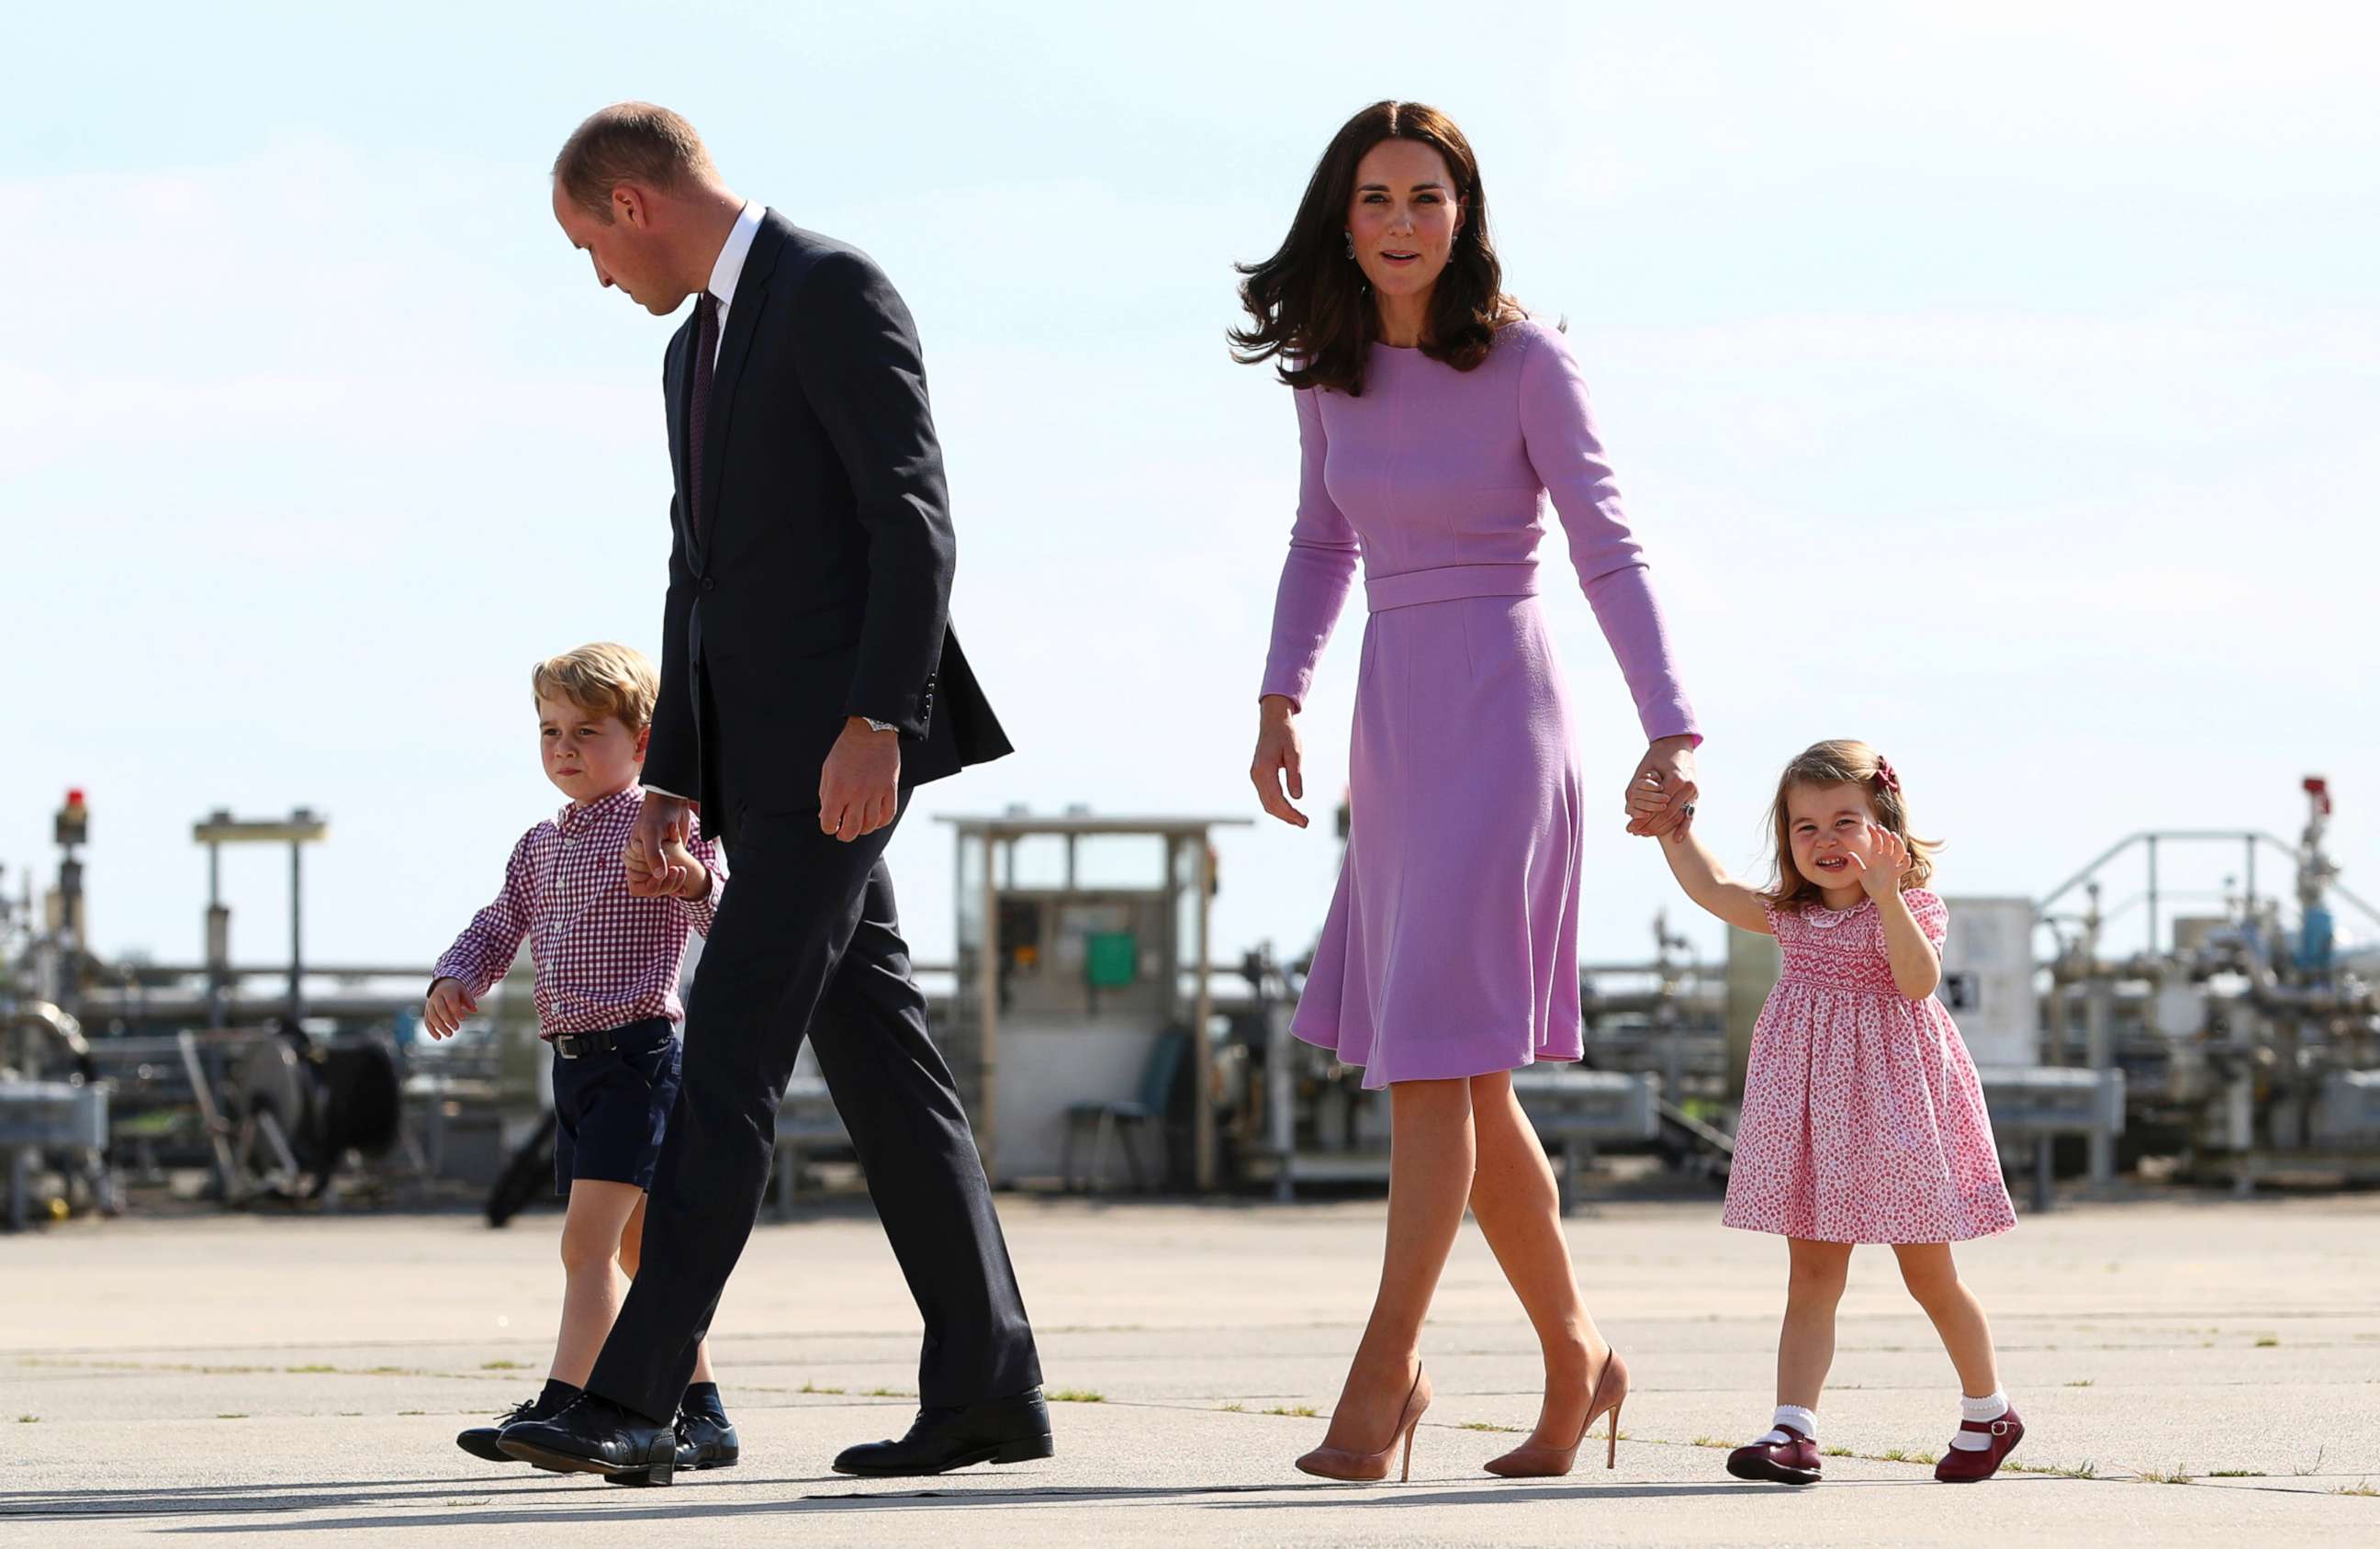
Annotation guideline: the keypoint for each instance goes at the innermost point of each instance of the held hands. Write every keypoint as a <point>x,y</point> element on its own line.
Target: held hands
<point>1886,863</point>
<point>859,789</point>
<point>656,859</point>
<point>676,861</point>
<point>449,1003</point>
<point>1279,754</point>
<point>1660,800</point>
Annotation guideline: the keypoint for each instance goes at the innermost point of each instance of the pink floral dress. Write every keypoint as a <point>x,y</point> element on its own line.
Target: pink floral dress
<point>1863,1118</point>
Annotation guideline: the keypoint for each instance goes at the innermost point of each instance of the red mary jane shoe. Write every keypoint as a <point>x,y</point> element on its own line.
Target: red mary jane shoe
<point>1792,1462</point>
<point>1966,1467</point>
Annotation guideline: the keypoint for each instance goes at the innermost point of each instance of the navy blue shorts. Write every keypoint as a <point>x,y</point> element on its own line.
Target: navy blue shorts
<point>612,1109</point>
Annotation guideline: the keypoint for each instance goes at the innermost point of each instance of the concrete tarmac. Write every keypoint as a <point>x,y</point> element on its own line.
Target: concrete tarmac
<point>2191,1371</point>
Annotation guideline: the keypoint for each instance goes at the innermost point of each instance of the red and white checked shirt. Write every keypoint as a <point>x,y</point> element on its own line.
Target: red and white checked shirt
<point>604,957</point>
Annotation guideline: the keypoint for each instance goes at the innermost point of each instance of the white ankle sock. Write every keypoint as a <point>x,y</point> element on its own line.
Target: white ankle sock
<point>1802,1420</point>
<point>1989,1407</point>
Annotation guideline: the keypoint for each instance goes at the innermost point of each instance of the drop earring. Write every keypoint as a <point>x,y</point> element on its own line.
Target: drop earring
<point>1351,244</point>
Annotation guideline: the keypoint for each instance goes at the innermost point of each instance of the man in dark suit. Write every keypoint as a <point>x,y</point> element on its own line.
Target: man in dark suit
<point>809,682</point>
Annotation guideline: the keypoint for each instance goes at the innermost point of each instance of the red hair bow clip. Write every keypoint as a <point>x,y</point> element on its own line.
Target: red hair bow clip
<point>1885,777</point>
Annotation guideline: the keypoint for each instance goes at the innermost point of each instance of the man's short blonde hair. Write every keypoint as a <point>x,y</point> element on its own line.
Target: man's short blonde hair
<point>629,143</point>
<point>602,679</point>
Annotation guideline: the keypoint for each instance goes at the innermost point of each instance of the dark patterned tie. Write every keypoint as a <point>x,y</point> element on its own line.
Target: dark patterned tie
<point>706,347</point>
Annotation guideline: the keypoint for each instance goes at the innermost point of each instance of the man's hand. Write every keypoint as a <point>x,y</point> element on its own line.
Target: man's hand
<point>1660,799</point>
<point>659,831</point>
<point>860,790</point>
<point>449,1004</point>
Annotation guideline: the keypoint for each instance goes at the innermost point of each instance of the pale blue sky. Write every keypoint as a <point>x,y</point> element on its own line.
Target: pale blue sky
<point>1996,383</point>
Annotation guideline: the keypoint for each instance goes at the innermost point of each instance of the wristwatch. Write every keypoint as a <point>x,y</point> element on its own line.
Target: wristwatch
<point>875,725</point>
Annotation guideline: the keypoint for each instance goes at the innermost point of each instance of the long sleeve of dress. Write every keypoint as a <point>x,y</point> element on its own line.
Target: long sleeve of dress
<point>1560,433</point>
<point>1319,571</point>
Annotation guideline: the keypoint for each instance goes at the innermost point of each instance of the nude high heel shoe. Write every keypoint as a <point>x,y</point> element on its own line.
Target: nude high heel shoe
<point>1537,1460</point>
<point>1337,1462</point>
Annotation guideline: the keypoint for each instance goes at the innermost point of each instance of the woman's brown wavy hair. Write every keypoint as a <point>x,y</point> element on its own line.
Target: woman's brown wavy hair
<point>1313,313</point>
<point>1843,761</point>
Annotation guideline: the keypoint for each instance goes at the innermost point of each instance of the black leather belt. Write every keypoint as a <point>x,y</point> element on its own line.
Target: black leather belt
<point>577,1046</point>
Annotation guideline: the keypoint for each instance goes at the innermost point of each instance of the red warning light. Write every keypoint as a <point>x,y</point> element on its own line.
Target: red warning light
<point>74,820</point>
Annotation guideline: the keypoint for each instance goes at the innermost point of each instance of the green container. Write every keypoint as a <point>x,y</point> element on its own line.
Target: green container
<point>1110,958</point>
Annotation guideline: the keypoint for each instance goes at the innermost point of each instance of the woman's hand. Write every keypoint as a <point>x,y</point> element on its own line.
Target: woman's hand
<point>1660,799</point>
<point>1279,754</point>
<point>1886,863</point>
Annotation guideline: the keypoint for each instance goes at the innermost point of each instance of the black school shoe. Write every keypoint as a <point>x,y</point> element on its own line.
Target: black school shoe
<point>1010,1430</point>
<point>703,1443</point>
<point>479,1441</point>
<point>594,1436</point>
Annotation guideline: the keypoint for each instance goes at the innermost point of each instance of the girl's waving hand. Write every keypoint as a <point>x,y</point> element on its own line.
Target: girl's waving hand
<point>1886,863</point>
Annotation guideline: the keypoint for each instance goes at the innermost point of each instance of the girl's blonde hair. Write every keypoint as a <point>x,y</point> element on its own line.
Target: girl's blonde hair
<point>1842,762</point>
<point>601,679</point>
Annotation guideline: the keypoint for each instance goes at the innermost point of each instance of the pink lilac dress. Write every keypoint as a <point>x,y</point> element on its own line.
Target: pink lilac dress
<point>1451,947</point>
<point>1863,1118</point>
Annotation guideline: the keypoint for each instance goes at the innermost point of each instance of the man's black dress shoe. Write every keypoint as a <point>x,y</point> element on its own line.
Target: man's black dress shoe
<point>479,1441</point>
<point>1010,1430</point>
<point>594,1436</point>
<point>703,1443</point>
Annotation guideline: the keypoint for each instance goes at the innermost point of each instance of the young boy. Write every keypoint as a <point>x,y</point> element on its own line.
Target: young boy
<point>607,969</point>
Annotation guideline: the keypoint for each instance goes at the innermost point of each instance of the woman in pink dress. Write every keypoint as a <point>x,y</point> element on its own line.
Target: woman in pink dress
<point>1863,1118</point>
<point>1435,419</point>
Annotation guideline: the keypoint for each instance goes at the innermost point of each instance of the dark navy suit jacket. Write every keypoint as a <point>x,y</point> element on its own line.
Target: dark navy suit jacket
<point>815,585</point>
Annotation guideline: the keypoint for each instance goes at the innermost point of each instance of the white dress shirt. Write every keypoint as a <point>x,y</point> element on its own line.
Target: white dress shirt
<point>730,267</point>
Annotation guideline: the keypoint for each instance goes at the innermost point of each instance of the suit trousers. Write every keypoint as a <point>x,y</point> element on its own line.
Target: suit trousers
<point>807,940</point>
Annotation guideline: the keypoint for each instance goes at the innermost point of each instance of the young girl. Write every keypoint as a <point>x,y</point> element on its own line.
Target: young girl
<point>1863,1118</point>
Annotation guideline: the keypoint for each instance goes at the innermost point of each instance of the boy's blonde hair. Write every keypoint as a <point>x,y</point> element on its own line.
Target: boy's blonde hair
<point>1843,761</point>
<point>601,679</point>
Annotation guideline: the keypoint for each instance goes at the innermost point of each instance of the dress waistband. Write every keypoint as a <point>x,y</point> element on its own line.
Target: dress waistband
<point>1448,583</point>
